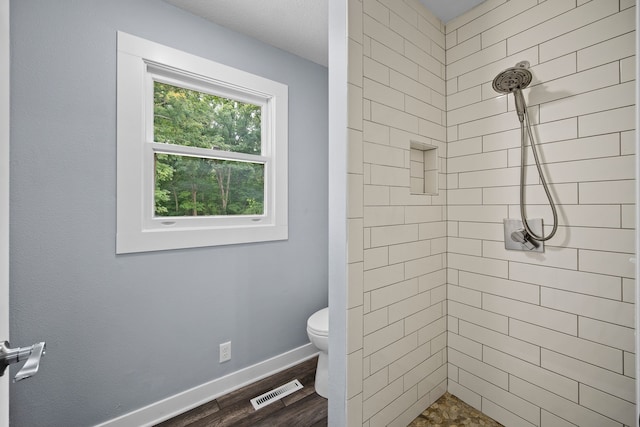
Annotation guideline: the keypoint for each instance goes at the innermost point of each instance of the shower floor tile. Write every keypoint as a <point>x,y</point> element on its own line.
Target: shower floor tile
<point>449,411</point>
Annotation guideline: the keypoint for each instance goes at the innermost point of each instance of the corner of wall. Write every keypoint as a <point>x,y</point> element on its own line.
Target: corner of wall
<point>396,314</point>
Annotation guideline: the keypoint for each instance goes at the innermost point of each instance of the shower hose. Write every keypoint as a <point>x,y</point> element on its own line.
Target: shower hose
<point>523,137</point>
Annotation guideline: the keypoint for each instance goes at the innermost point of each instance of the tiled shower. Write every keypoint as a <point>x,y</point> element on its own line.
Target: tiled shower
<point>435,301</point>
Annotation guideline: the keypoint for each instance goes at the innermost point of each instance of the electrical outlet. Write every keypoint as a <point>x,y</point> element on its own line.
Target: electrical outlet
<point>225,351</point>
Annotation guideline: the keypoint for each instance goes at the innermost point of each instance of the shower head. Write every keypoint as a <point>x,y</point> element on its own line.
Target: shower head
<point>509,80</point>
<point>513,80</point>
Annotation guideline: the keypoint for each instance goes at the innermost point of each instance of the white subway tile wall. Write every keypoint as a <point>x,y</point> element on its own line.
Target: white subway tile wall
<point>567,348</point>
<point>435,302</point>
<point>396,81</point>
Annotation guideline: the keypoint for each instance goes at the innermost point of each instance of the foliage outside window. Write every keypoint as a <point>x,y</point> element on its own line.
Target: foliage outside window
<point>202,151</point>
<point>192,186</point>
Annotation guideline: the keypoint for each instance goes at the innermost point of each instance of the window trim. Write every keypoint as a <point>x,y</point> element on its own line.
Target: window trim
<point>139,62</point>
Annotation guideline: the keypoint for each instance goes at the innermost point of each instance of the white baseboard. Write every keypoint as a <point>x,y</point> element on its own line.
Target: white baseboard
<point>189,399</point>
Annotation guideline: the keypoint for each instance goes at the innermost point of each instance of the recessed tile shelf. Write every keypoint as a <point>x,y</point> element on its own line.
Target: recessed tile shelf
<point>424,168</point>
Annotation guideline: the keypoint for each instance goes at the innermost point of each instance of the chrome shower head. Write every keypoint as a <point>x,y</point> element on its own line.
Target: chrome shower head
<point>517,77</point>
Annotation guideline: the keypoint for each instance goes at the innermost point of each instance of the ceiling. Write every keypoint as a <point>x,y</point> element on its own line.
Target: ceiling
<point>446,10</point>
<point>297,26</point>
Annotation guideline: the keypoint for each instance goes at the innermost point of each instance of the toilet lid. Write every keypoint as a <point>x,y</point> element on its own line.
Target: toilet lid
<point>318,323</point>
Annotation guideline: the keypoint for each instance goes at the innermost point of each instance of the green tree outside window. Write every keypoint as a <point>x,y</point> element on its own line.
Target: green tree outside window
<point>196,186</point>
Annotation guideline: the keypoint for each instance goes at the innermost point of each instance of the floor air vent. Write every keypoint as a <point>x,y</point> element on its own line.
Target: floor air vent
<point>275,394</point>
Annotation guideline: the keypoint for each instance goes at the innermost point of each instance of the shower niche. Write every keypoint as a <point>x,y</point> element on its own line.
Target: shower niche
<point>424,164</point>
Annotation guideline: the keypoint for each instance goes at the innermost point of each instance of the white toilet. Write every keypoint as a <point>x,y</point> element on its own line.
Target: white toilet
<point>318,332</point>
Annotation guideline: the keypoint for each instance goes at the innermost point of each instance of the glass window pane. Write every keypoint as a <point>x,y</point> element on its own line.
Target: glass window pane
<point>196,119</point>
<point>193,186</point>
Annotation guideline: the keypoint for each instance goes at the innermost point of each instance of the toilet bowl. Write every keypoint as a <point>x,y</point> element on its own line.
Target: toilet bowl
<point>318,332</point>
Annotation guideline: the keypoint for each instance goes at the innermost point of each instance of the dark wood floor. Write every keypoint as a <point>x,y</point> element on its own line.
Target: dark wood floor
<point>304,408</point>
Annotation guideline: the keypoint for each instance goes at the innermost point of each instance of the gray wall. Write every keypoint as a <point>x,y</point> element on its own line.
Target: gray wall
<point>125,331</point>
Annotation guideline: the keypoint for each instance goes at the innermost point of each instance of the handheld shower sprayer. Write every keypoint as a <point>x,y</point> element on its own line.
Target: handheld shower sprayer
<point>513,80</point>
<point>520,105</point>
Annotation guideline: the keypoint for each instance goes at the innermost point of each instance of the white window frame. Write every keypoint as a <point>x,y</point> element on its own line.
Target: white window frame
<point>140,63</point>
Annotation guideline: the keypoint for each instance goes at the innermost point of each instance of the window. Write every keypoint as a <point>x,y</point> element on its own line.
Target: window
<point>202,151</point>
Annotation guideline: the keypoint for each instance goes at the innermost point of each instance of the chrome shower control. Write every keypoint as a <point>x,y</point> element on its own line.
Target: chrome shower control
<point>516,237</point>
<point>522,237</point>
